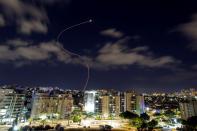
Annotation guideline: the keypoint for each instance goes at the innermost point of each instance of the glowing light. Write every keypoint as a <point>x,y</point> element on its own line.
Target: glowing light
<point>147,109</point>
<point>105,115</point>
<point>86,122</point>
<point>3,111</point>
<point>115,124</point>
<point>15,128</point>
<point>43,117</point>
<point>154,111</point>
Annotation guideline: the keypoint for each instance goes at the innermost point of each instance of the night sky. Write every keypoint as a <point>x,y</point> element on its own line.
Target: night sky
<point>131,44</point>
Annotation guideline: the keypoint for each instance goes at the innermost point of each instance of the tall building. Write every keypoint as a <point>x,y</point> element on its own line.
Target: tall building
<point>89,101</point>
<point>66,107</point>
<point>122,102</point>
<point>28,104</point>
<point>58,106</point>
<point>105,106</point>
<point>110,105</point>
<point>140,107</point>
<point>130,98</point>
<point>11,106</point>
<point>117,105</point>
<point>134,103</point>
<point>188,109</point>
<point>107,103</point>
<point>102,103</point>
<point>98,101</point>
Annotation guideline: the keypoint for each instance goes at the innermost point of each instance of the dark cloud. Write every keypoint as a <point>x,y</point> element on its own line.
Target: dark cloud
<point>117,54</point>
<point>112,32</point>
<point>2,21</point>
<point>17,11</point>
<point>24,52</point>
<point>50,2</point>
<point>18,42</point>
<point>189,29</point>
<point>194,66</point>
<point>110,55</point>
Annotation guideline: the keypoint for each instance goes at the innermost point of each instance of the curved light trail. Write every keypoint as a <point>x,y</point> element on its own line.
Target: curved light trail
<point>66,51</point>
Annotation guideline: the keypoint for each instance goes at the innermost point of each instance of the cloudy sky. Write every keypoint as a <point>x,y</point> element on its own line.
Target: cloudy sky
<point>142,45</point>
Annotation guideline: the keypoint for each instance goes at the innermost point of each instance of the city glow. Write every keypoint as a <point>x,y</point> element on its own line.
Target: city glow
<point>15,128</point>
<point>3,111</point>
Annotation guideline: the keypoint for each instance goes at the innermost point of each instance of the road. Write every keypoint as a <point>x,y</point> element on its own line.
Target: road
<point>94,129</point>
<point>4,128</point>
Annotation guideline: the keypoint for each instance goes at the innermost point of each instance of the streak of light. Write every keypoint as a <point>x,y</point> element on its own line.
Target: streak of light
<point>66,51</point>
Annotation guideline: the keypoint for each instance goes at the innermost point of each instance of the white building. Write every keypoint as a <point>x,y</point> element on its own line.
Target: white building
<point>89,101</point>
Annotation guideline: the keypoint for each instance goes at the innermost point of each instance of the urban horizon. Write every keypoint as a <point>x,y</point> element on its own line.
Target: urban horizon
<point>128,89</point>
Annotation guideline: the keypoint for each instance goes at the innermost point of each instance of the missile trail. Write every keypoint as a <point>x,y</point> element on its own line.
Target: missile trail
<point>72,53</point>
<point>66,51</point>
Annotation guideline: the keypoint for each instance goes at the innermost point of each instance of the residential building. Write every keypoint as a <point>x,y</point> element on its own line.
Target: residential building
<point>130,98</point>
<point>89,101</point>
<point>11,106</point>
<point>188,108</point>
<point>56,106</point>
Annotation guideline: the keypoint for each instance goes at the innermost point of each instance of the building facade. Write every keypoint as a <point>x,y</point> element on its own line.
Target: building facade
<point>134,102</point>
<point>106,103</point>
<point>188,109</point>
<point>130,100</point>
<point>89,101</point>
<point>140,106</point>
<point>11,106</point>
<point>57,106</point>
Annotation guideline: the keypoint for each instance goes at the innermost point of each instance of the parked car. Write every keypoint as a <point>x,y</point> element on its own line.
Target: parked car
<point>105,127</point>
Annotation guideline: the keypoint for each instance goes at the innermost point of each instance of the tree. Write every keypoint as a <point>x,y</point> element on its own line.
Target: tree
<point>111,117</point>
<point>152,124</point>
<point>191,123</point>
<point>98,117</point>
<point>157,114</point>
<point>137,122</point>
<point>145,116</point>
<point>144,125</point>
<point>169,113</point>
<point>88,115</point>
<point>128,115</point>
<point>76,115</point>
<point>76,118</point>
<point>184,122</point>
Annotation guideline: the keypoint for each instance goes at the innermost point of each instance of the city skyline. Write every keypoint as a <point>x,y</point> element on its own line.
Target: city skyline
<point>42,108</point>
<point>146,45</point>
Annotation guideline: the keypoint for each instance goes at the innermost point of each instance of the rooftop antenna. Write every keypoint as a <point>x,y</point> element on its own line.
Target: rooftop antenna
<point>66,51</point>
